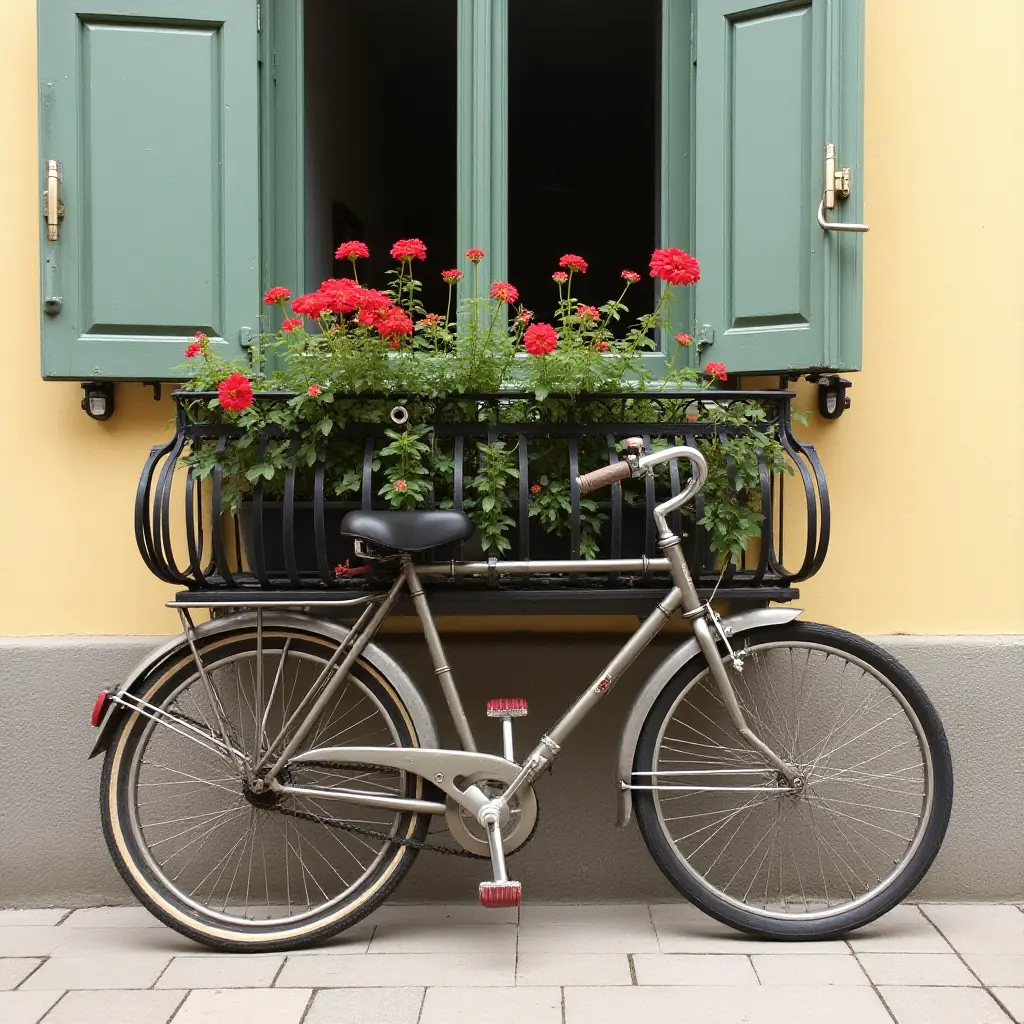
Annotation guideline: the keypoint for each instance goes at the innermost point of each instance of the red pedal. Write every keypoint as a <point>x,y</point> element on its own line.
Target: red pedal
<point>506,707</point>
<point>500,894</point>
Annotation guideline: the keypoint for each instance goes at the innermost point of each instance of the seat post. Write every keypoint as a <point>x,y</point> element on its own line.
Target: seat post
<point>441,669</point>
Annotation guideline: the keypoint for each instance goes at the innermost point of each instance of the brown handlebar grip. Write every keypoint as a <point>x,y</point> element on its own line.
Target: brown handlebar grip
<point>590,482</point>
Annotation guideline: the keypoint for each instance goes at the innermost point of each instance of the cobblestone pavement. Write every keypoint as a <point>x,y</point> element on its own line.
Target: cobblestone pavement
<point>927,964</point>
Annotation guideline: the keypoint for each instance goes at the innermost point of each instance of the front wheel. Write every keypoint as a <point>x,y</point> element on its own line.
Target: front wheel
<point>238,868</point>
<point>839,851</point>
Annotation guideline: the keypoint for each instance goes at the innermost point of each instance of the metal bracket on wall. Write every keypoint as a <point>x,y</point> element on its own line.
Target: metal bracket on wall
<point>704,336</point>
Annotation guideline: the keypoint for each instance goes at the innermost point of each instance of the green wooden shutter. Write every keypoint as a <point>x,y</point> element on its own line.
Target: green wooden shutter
<point>774,83</point>
<point>152,108</point>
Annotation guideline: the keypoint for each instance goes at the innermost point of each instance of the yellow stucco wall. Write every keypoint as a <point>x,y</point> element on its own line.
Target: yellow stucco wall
<point>925,471</point>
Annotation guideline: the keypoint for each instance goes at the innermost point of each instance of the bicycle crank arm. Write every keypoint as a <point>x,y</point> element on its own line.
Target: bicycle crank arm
<point>444,768</point>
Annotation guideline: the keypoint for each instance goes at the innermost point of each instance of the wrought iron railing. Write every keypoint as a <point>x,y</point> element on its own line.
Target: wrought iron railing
<point>292,544</point>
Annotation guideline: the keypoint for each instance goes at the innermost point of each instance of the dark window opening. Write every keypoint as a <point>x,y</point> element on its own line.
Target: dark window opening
<point>584,79</point>
<point>381,135</point>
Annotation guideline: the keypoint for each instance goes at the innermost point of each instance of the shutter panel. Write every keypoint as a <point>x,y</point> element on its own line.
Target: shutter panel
<point>774,83</point>
<point>151,106</point>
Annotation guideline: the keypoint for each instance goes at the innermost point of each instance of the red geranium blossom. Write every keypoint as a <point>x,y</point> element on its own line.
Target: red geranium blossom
<point>674,266</point>
<point>373,316</point>
<point>401,486</point>
<point>588,312</point>
<point>200,337</point>
<point>409,249</point>
<point>343,295</point>
<point>451,276</point>
<point>291,323</point>
<point>716,370</point>
<point>535,489</point>
<point>504,292</point>
<point>276,294</point>
<point>235,392</point>
<point>570,261</point>
<point>193,349</point>
<point>559,277</point>
<point>396,322</point>
<point>630,275</point>
<point>475,255</point>
<point>394,343</point>
<point>313,390</point>
<point>603,346</point>
<point>312,304</point>
<point>684,339</point>
<point>352,251</point>
<point>540,339</point>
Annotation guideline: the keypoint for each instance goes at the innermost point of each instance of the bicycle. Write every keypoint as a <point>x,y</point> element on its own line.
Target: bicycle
<point>790,779</point>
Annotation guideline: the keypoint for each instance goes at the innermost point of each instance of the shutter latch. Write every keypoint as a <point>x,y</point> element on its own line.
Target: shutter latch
<point>837,185</point>
<point>53,208</point>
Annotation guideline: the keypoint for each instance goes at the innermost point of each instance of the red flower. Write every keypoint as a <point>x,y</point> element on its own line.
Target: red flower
<point>588,312</point>
<point>504,292</point>
<point>540,339</point>
<point>370,298</point>
<point>572,262</point>
<point>235,392</point>
<point>453,275</point>
<point>291,323</point>
<point>559,277</point>
<point>200,337</point>
<point>352,251</point>
<point>394,343</point>
<point>432,320</point>
<point>535,489</point>
<point>401,486</point>
<point>193,349</point>
<point>343,295</point>
<point>313,390</point>
<point>630,275</point>
<point>276,294</point>
<point>684,339</point>
<point>373,316</point>
<point>674,266</point>
<point>525,316</point>
<point>716,370</point>
<point>408,249</point>
<point>396,322</point>
<point>313,304</point>
<point>603,346</point>
<point>475,255</point>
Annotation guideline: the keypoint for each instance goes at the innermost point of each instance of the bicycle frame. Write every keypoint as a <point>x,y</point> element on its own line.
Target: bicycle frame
<point>445,767</point>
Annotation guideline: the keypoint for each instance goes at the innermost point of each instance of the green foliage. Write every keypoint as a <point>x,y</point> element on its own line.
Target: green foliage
<point>492,488</point>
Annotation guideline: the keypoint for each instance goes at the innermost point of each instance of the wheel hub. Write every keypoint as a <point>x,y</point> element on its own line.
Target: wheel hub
<point>262,796</point>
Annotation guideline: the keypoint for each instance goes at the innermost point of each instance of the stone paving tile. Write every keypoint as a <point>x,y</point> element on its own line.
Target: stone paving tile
<point>248,1005</point>
<point>903,930</point>
<point>917,969</point>
<point>682,928</point>
<point>83,972</point>
<point>15,969</point>
<point>997,968</point>
<point>115,941</point>
<point>456,913</point>
<point>781,1004</point>
<point>916,1005</point>
<point>25,1007</point>
<point>384,970</point>
<point>573,969</point>
<point>978,928</point>
<point>366,1006</point>
<point>606,928</point>
<point>228,970</point>
<point>1013,1000</point>
<point>113,917</point>
<point>811,969</point>
<point>495,1006</point>
<point>29,940</point>
<point>693,969</point>
<point>444,936</point>
<point>139,1007</point>
<point>16,918</point>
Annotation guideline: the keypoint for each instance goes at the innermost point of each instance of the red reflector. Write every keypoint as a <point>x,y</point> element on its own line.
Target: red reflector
<point>99,707</point>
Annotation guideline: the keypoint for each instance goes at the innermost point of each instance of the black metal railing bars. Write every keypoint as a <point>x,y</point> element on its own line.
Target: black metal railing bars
<point>289,540</point>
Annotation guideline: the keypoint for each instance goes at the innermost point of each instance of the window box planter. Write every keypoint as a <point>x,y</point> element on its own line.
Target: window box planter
<point>286,537</point>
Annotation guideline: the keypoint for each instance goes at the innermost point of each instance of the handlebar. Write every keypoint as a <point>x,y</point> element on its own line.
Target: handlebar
<point>639,467</point>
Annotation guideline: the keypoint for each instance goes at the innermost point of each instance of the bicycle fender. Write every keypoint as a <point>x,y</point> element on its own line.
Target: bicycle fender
<point>742,622</point>
<point>423,719</point>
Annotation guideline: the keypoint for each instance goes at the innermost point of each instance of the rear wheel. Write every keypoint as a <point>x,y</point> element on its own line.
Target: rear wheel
<point>846,846</point>
<point>219,861</point>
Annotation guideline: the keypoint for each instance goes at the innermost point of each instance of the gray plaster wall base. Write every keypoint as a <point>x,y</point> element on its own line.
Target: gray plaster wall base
<point>52,850</point>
